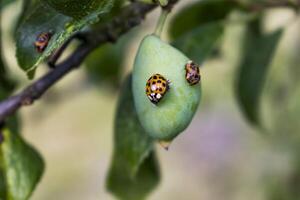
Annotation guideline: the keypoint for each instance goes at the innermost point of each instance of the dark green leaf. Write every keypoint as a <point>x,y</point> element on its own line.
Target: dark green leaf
<point>130,139</point>
<point>257,56</point>
<point>20,165</point>
<point>27,5</point>
<point>44,19</point>
<point>127,188</point>
<point>6,88</point>
<point>78,8</point>
<point>199,13</point>
<point>4,3</point>
<point>6,85</point>
<point>105,63</point>
<point>23,166</point>
<point>3,194</point>
<point>134,171</point>
<point>198,43</point>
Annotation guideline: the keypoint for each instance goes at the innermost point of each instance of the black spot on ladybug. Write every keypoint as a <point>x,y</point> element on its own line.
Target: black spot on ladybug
<point>154,82</point>
<point>159,81</point>
<point>164,84</point>
<point>154,77</point>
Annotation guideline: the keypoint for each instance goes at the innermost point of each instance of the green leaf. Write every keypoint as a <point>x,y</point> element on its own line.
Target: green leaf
<point>44,19</point>
<point>6,88</point>
<point>130,139</point>
<point>3,194</point>
<point>257,56</point>
<point>134,171</point>
<point>4,3</point>
<point>23,166</point>
<point>163,2</point>
<point>6,85</point>
<point>27,5</point>
<point>198,43</point>
<point>78,8</point>
<point>199,13</point>
<point>105,63</point>
<point>127,188</point>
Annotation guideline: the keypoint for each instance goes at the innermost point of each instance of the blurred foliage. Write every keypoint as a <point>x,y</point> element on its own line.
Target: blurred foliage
<point>104,65</point>
<point>4,3</point>
<point>21,166</point>
<point>76,9</point>
<point>199,43</point>
<point>199,13</point>
<point>196,30</point>
<point>44,19</point>
<point>134,171</point>
<point>255,61</point>
<point>27,5</point>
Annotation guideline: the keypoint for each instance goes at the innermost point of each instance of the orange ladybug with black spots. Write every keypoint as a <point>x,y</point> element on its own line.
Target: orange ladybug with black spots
<point>42,41</point>
<point>156,87</point>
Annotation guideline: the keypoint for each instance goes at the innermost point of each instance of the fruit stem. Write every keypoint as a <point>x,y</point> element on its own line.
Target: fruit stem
<point>161,22</point>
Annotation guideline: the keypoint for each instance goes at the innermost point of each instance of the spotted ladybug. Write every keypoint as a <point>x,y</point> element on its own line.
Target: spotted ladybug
<point>41,41</point>
<point>192,73</point>
<point>156,88</point>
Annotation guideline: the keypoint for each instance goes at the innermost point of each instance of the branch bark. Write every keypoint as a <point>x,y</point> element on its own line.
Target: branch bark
<point>128,18</point>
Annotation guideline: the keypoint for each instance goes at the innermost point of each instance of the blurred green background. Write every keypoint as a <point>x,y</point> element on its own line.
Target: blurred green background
<point>219,156</point>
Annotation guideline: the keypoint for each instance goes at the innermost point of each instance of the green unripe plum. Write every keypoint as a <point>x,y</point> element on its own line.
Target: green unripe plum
<point>174,112</point>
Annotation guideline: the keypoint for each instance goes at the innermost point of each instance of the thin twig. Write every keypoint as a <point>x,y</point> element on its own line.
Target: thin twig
<point>129,18</point>
<point>56,55</point>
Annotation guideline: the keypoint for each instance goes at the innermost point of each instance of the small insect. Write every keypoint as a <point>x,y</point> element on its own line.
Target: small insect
<point>156,88</point>
<point>42,41</point>
<point>192,73</point>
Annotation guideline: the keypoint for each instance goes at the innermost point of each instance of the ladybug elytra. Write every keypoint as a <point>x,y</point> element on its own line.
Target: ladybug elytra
<point>156,88</point>
<point>41,41</point>
<point>192,73</point>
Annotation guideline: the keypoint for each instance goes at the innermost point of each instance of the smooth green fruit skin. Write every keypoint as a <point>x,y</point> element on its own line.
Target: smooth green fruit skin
<point>175,111</point>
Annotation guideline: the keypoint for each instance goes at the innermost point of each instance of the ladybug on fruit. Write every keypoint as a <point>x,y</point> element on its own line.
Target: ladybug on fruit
<point>192,73</point>
<point>156,87</point>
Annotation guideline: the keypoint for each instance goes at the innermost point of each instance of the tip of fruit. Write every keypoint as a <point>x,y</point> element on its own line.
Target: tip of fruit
<point>165,144</point>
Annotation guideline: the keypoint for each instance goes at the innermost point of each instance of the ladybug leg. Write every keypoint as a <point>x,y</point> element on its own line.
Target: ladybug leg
<point>168,84</point>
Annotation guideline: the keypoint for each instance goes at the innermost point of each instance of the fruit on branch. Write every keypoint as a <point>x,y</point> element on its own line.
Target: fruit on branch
<point>164,110</point>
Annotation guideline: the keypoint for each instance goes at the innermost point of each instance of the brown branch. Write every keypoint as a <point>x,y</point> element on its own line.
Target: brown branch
<point>128,18</point>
